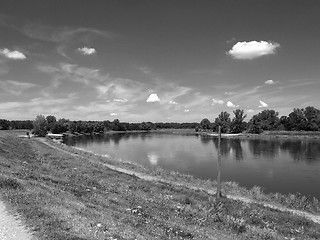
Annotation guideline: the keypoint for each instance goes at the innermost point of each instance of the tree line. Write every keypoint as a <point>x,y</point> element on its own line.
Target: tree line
<point>300,119</point>
<point>44,124</point>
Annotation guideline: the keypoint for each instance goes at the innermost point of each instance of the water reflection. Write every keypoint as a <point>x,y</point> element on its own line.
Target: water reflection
<point>268,149</point>
<point>153,159</point>
<point>235,145</point>
<point>302,150</point>
<point>299,150</point>
<point>281,165</point>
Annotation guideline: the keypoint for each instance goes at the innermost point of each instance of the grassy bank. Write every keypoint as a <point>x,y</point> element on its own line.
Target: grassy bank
<point>65,193</point>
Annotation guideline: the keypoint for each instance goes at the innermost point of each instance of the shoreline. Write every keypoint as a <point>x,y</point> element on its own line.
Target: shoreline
<point>268,135</point>
<point>240,197</point>
<point>66,192</point>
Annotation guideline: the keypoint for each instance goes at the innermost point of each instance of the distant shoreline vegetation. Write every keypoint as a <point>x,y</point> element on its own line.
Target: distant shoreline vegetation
<point>300,119</point>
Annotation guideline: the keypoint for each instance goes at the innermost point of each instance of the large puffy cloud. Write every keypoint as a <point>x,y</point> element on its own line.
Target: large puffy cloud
<point>16,55</point>
<point>153,98</point>
<point>253,49</point>
<point>87,50</point>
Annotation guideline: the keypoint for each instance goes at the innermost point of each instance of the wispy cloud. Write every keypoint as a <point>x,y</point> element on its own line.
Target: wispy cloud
<point>253,49</point>
<point>217,101</point>
<point>15,55</point>
<point>113,114</point>
<point>173,102</point>
<point>153,97</point>
<point>121,90</point>
<point>29,109</point>
<point>263,104</point>
<point>61,34</point>
<point>14,87</point>
<point>87,50</point>
<point>123,100</point>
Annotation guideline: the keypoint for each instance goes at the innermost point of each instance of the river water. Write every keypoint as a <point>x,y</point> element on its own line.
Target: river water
<point>277,165</point>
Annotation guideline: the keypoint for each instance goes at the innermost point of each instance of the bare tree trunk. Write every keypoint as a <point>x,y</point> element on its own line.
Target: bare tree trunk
<point>219,165</point>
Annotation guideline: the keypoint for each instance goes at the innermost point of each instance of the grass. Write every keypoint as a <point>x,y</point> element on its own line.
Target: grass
<point>73,196</point>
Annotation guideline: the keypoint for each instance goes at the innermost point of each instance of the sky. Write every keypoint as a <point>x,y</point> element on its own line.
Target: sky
<point>159,60</point>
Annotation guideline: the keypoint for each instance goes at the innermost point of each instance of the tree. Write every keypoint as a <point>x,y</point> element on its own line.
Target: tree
<point>40,125</point>
<point>117,126</point>
<point>60,126</point>
<point>297,120</point>
<point>237,124</point>
<point>267,120</point>
<point>312,116</point>
<point>205,124</point>
<point>224,121</point>
<point>4,124</point>
<point>51,120</point>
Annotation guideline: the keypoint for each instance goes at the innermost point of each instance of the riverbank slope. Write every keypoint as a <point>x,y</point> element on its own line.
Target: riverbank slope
<point>64,193</point>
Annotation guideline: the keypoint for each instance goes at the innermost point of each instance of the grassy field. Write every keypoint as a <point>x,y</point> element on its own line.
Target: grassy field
<point>64,193</point>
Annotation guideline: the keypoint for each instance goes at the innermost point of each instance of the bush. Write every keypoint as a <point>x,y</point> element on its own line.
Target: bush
<point>40,125</point>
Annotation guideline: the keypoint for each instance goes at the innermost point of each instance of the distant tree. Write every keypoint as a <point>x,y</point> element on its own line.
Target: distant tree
<point>312,116</point>
<point>4,124</point>
<point>237,124</point>
<point>145,126</point>
<point>297,120</point>
<point>284,123</point>
<point>51,120</point>
<point>40,125</point>
<point>117,126</point>
<point>266,120</point>
<point>61,126</point>
<point>224,121</point>
<point>205,124</point>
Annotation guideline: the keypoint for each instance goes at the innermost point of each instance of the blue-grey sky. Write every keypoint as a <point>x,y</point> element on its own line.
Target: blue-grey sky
<point>160,60</point>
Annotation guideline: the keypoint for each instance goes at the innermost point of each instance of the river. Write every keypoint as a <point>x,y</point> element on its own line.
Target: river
<point>276,165</point>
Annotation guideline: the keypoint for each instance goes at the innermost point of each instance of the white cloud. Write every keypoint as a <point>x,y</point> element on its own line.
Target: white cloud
<point>87,51</point>
<point>123,100</point>
<point>253,49</point>
<point>231,105</point>
<point>113,114</point>
<point>217,101</point>
<point>16,55</point>
<point>270,81</point>
<point>250,111</point>
<point>173,102</point>
<point>263,104</point>
<point>153,98</point>
<point>187,110</point>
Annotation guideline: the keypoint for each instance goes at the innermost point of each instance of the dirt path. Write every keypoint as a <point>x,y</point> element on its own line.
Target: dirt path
<point>11,228</point>
<point>312,217</point>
